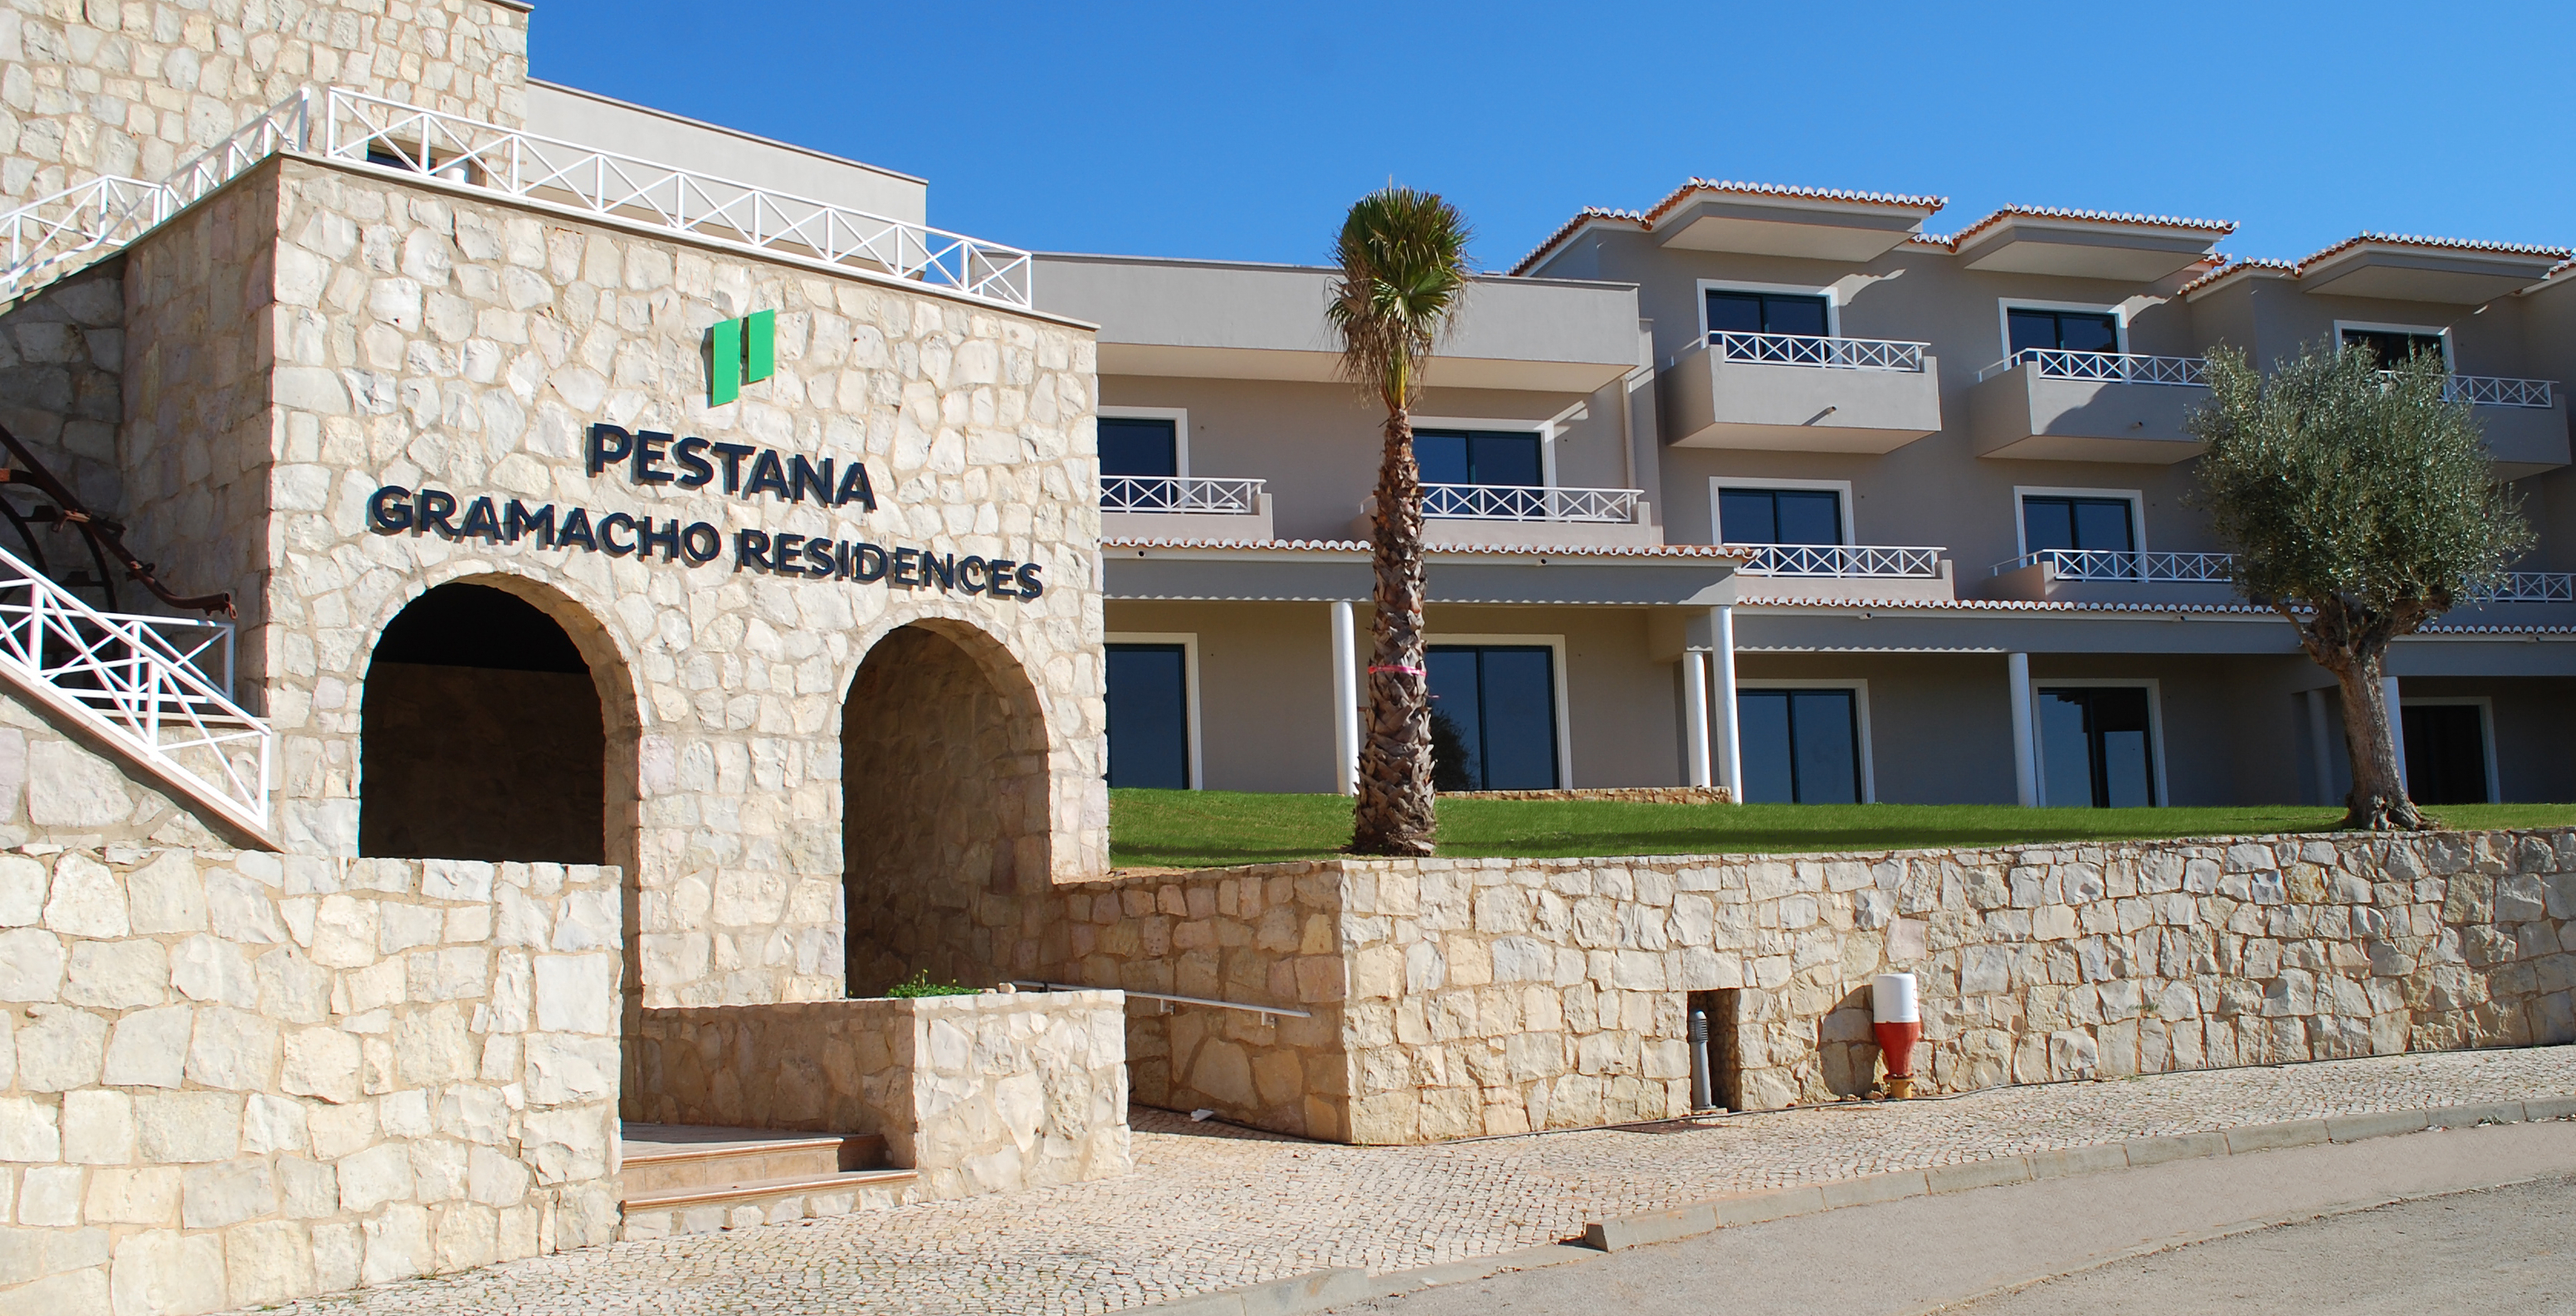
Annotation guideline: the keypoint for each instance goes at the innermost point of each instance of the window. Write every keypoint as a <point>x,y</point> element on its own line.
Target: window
<point>1149,716</point>
<point>2095,747</point>
<point>2070,521</point>
<point>1780,516</point>
<point>2063,331</point>
<point>1496,457</point>
<point>1493,717</point>
<point>1134,445</point>
<point>1800,746</point>
<point>1803,314</point>
<point>2395,347</point>
<point>2446,753</point>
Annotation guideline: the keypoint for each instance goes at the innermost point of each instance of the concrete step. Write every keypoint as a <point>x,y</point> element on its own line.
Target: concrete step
<point>688,1179</point>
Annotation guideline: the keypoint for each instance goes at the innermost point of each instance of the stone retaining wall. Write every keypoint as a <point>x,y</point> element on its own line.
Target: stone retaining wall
<point>978,1094</point>
<point>231,1078</point>
<point>1464,997</point>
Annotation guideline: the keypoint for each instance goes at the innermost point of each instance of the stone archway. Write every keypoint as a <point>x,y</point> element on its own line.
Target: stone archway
<point>945,809</point>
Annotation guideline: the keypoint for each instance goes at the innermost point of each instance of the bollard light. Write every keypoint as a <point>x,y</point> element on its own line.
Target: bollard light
<point>1898,1019</point>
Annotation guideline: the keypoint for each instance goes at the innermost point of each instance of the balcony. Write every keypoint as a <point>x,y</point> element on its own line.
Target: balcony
<point>2082,575</point>
<point>1843,571</point>
<point>2049,405</point>
<point>2524,420</point>
<point>1183,507</point>
<point>1547,516</point>
<point>1794,393</point>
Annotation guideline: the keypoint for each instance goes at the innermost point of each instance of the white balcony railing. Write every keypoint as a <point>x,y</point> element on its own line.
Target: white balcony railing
<point>2487,391</point>
<point>2529,587</point>
<point>1506,502</point>
<point>141,684</point>
<point>2115,564</point>
<point>1174,493</point>
<point>2109,367</point>
<point>1843,561</point>
<point>1826,353</point>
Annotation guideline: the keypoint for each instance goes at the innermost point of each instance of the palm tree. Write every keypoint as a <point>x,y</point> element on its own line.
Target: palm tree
<point>1404,272</point>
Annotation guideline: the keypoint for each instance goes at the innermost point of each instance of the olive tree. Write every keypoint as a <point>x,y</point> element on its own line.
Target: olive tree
<point>2360,503</point>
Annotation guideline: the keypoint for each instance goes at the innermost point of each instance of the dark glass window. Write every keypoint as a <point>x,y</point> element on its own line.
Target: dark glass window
<point>2394,347</point>
<point>2094,748</point>
<point>1766,313</point>
<point>1149,716</point>
<point>1800,746</point>
<point>2068,331</point>
<point>1780,516</point>
<point>1501,457</point>
<point>2446,753</point>
<point>2050,521</point>
<point>1134,446</point>
<point>1493,717</point>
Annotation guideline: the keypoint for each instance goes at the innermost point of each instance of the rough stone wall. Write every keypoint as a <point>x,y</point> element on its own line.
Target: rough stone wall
<point>230,1078</point>
<point>432,337</point>
<point>133,88</point>
<point>1494,996</point>
<point>978,1094</point>
<point>1267,935</point>
<point>63,790</point>
<point>62,358</point>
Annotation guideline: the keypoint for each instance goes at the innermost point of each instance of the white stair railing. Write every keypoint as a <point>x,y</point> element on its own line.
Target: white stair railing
<point>138,689</point>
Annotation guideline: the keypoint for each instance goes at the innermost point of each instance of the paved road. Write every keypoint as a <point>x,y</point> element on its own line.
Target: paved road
<point>2307,1230</point>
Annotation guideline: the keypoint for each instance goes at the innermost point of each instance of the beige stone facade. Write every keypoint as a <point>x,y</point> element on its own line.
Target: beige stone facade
<point>231,1078</point>
<point>132,88</point>
<point>1466,997</point>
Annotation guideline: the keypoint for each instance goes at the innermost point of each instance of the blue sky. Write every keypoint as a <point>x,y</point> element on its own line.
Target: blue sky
<point>1241,132</point>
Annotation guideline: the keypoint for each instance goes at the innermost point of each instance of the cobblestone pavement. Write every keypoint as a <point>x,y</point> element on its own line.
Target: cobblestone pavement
<point>1214,1207</point>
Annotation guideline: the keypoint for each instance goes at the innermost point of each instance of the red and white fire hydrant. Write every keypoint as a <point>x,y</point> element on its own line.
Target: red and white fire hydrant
<point>1898,1020</point>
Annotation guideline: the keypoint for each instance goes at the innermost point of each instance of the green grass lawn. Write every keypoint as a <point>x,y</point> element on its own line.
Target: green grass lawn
<point>1204,829</point>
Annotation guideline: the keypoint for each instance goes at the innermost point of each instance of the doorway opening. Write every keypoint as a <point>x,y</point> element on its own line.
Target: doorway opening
<point>1716,1054</point>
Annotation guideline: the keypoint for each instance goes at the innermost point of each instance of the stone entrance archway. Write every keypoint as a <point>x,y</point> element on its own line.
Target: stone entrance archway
<point>944,786</point>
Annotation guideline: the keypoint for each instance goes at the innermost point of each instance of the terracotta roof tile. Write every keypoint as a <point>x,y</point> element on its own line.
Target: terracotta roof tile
<point>2221,227</point>
<point>1700,551</point>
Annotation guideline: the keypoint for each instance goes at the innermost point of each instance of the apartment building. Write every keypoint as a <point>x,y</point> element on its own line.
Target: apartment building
<point>1770,488</point>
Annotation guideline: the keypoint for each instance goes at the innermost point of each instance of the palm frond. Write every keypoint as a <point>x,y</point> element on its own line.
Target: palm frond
<point>1403,257</point>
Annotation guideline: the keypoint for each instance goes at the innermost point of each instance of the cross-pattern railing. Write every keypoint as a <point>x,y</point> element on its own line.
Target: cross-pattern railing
<point>1848,561</point>
<point>2488,391</point>
<point>1809,350</point>
<point>2529,587</point>
<point>1177,493</point>
<point>1511,502</point>
<point>138,688</point>
<point>364,128</point>
<point>55,235</point>
<point>2118,564</point>
<point>2109,367</point>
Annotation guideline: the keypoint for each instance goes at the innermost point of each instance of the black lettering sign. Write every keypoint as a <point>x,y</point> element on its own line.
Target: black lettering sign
<point>608,444</point>
<point>854,487</point>
<point>576,530</point>
<point>1000,586</point>
<point>517,520</point>
<point>668,537</point>
<point>802,475</point>
<point>609,525</point>
<point>649,446</point>
<point>768,475</point>
<point>733,453</point>
<point>389,510</point>
<point>700,543</point>
<point>685,452</point>
<point>867,563</point>
<point>436,505</point>
<point>480,520</point>
<point>750,549</point>
<point>905,562</point>
<point>971,575</point>
<point>1029,586</point>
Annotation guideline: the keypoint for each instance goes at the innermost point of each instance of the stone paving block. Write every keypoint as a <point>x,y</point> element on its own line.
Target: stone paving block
<point>1875,1188</point>
<point>2462,1117</point>
<point>2549,1108</point>
<point>1651,1227</point>
<point>1978,1174</point>
<point>2183,1146</point>
<point>2271,1137</point>
<point>2382,1124</point>
<point>1777,1205</point>
<point>2061,1162</point>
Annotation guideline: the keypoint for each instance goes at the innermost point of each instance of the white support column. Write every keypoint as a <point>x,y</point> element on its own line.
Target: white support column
<point>2396,731</point>
<point>2025,749</point>
<point>1346,701</point>
<point>1695,715</point>
<point>1730,741</point>
<point>2319,746</point>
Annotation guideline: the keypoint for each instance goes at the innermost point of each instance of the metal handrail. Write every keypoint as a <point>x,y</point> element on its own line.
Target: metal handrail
<point>1168,999</point>
<point>2130,565</point>
<point>362,128</point>
<point>2108,367</point>
<point>1846,561</point>
<point>136,689</point>
<point>1514,502</point>
<point>1811,350</point>
<point>1224,495</point>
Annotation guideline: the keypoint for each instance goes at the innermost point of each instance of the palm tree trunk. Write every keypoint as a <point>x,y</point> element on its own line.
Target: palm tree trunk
<point>2378,800</point>
<point>1394,813</point>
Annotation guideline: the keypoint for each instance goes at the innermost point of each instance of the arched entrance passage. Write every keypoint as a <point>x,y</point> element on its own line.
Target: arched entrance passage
<point>944,787</point>
<point>483,735</point>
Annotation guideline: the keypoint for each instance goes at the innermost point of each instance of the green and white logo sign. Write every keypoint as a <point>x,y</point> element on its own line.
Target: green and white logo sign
<point>740,352</point>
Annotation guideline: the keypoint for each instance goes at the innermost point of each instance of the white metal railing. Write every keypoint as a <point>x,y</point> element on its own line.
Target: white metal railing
<point>1169,1000</point>
<point>1808,350</point>
<point>2117,564</point>
<point>53,236</point>
<point>137,689</point>
<point>1177,493</point>
<point>2528,587</point>
<point>1513,502</point>
<point>1848,561</point>
<point>359,127</point>
<point>2109,367</point>
<point>2488,391</point>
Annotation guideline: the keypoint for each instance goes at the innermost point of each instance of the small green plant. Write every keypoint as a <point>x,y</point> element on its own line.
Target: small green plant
<point>919,984</point>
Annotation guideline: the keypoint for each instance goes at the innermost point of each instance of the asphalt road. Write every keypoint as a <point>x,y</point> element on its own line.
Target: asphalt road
<point>2449,1220</point>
